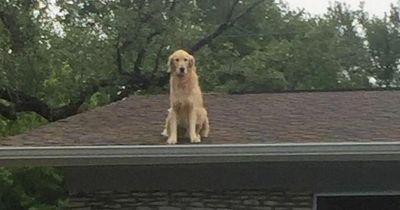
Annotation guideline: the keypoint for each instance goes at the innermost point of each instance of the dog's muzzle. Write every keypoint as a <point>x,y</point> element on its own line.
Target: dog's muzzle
<point>181,72</point>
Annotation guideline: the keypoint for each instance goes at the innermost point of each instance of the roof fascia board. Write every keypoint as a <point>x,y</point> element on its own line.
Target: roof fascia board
<point>190,154</point>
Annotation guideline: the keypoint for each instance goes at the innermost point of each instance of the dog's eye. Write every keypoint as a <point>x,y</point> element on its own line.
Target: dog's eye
<point>177,60</point>
<point>185,59</point>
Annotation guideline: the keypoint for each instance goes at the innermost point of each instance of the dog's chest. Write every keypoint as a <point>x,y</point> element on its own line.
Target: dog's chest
<point>182,106</point>
<point>182,98</point>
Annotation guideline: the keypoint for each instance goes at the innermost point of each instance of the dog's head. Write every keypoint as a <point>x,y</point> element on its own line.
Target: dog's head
<point>180,63</point>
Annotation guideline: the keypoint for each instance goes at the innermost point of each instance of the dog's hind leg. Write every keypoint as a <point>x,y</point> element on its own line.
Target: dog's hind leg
<point>194,138</point>
<point>204,132</point>
<point>166,126</point>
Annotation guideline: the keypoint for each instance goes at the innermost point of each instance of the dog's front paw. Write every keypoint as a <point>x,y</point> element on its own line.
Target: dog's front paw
<point>196,140</point>
<point>172,141</point>
<point>164,133</point>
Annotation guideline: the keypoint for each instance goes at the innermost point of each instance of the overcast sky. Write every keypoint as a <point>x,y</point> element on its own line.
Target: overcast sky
<point>373,7</point>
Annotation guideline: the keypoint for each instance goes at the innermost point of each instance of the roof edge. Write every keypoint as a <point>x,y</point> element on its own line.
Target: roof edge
<point>191,154</point>
<point>372,89</point>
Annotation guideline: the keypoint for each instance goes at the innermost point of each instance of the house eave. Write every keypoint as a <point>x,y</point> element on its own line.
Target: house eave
<point>192,154</point>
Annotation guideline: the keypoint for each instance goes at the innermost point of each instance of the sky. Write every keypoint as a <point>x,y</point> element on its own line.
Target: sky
<point>317,7</point>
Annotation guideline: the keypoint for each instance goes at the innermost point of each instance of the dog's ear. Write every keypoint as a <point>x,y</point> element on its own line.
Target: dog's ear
<point>169,63</point>
<point>192,61</point>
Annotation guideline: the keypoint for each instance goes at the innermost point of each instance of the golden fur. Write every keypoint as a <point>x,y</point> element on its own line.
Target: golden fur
<point>202,124</point>
<point>186,100</point>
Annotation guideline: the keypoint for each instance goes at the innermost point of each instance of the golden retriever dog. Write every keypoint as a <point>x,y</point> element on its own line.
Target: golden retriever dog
<point>202,124</point>
<point>186,100</point>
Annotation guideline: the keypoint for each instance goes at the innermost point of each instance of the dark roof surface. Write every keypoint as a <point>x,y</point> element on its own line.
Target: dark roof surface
<point>354,116</point>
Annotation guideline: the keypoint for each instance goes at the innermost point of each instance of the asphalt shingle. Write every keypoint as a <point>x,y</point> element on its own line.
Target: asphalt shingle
<point>353,116</point>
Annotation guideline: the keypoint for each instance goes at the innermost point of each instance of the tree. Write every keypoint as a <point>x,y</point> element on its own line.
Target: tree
<point>351,52</point>
<point>384,46</point>
<point>110,48</point>
<point>31,189</point>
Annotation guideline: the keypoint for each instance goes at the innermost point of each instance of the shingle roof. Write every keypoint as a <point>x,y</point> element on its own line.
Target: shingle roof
<point>354,116</point>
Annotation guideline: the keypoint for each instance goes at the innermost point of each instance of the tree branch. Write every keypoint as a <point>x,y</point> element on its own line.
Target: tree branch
<point>158,57</point>
<point>223,27</point>
<point>119,56</point>
<point>8,111</point>
<point>230,13</point>
<point>142,52</point>
<point>10,24</point>
<point>25,103</point>
<point>137,77</point>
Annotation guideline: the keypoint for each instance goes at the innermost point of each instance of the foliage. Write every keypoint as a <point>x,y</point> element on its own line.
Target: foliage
<point>383,36</point>
<point>31,189</point>
<point>25,121</point>
<point>60,61</point>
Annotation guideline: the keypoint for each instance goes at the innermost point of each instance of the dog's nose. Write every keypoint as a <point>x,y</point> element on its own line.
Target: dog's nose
<point>182,70</point>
